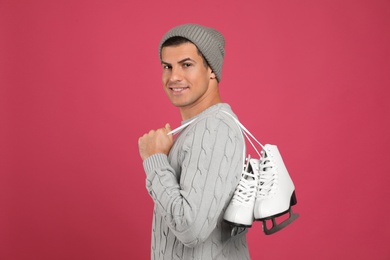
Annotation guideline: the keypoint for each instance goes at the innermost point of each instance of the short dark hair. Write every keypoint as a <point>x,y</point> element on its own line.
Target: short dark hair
<point>178,40</point>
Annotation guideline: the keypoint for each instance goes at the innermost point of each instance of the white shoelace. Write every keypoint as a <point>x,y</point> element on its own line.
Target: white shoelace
<point>245,192</point>
<point>178,129</point>
<point>267,176</point>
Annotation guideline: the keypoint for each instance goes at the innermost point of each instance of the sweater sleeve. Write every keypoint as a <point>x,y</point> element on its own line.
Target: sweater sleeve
<point>211,159</point>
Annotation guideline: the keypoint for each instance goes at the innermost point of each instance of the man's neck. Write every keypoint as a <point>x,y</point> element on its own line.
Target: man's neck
<point>189,112</point>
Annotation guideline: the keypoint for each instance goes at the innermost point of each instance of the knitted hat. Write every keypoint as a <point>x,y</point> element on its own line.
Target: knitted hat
<point>209,41</point>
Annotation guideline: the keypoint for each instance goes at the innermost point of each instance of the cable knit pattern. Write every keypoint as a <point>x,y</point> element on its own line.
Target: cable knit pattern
<point>191,188</point>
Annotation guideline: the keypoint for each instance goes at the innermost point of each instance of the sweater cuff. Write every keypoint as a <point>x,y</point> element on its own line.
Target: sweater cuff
<point>154,162</point>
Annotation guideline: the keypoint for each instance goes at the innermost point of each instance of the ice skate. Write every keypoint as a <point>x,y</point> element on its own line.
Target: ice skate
<point>240,210</point>
<point>276,191</point>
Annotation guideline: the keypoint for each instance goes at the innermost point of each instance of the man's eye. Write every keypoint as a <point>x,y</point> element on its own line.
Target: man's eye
<point>166,67</point>
<point>187,65</point>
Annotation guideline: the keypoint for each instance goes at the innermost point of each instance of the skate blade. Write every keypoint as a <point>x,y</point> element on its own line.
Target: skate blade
<point>237,230</point>
<point>277,227</point>
<point>238,225</point>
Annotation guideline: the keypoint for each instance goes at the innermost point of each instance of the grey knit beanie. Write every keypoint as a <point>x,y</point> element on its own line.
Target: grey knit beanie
<point>209,41</point>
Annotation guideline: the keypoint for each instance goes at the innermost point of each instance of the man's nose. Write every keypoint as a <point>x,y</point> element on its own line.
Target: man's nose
<point>177,74</point>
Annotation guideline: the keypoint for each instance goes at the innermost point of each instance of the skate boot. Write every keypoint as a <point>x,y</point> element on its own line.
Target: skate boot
<point>276,191</point>
<point>240,210</point>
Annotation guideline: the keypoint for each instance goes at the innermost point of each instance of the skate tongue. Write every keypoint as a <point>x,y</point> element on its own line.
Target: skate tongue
<point>248,176</point>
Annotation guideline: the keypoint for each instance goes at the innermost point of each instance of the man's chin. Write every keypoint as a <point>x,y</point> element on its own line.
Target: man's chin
<point>178,104</point>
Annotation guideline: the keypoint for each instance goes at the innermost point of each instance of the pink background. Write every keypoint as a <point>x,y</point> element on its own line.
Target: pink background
<point>80,82</point>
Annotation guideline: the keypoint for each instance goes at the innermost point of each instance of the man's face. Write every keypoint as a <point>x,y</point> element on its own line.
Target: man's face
<point>185,76</point>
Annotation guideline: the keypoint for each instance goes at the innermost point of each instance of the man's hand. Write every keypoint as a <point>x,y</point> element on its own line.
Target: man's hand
<point>156,141</point>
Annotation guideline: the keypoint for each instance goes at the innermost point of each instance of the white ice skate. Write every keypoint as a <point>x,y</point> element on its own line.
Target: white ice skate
<point>240,210</point>
<point>276,191</point>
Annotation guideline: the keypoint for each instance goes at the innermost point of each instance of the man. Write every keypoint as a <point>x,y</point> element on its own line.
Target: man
<point>191,179</point>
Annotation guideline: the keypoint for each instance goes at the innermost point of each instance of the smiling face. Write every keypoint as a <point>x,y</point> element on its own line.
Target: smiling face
<point>188,82</point>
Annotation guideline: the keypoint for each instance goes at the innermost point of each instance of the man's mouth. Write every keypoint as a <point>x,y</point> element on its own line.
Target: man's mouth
<point>178,89</point>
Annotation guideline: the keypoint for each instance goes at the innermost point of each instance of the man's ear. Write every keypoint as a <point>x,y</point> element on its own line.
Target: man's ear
<point>212,75</point>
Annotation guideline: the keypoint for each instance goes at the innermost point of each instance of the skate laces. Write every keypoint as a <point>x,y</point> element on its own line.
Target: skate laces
<point>268,176</point>
<point>267,179</point>
<point>245,192</point>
